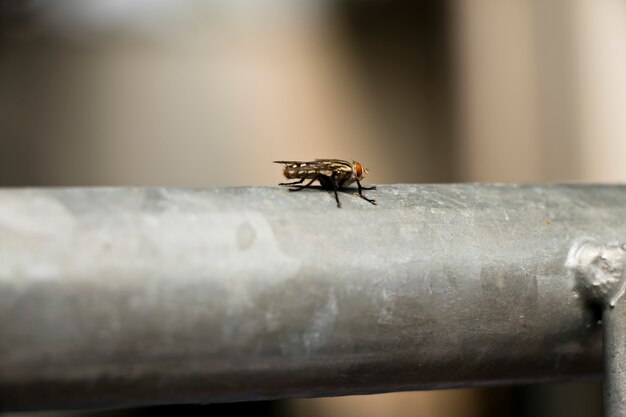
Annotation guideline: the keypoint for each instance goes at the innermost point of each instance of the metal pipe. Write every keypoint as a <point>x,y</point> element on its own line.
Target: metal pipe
<point>116,297</point>
<point>614,322</point>
<point>599,270</point>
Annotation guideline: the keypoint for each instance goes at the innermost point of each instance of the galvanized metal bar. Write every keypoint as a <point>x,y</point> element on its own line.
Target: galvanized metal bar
<point>614,322</point>
<point>599,269</point>
<point>113,297</point>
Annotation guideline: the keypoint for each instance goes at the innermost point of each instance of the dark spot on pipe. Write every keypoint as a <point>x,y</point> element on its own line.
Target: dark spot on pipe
<point>246,235</point>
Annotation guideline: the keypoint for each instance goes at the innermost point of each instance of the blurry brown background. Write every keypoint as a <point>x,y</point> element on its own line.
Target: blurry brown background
<point>209,92</point>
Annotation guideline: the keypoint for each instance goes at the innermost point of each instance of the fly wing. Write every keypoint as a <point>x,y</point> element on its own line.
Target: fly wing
<point>302,169</point>
<point>336,162</point>
<point>341,169</point>
<point>290,162</point>
<point>323,166</point>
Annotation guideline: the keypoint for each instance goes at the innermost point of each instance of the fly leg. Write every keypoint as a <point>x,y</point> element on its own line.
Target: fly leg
<point>302,187</point>
<point>292,183</point>
<point>329,183</point>
<point>333,183</point>
<point>361,188</point>
<point>336,196</point>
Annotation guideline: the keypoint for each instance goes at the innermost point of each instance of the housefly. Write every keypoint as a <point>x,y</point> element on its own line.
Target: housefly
<point>332,174</point>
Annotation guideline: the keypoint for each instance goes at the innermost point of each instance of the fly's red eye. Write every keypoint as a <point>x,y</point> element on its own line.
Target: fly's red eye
<point>359,169</point>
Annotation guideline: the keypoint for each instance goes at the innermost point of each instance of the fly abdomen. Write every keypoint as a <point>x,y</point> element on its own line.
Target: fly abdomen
<point>303,170</point>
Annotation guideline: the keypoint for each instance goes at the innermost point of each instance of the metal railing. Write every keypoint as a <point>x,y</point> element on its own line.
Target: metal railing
<point>124,296</point>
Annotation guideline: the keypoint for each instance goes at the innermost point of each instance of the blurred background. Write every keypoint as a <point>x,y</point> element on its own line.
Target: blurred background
<point>209,92</point>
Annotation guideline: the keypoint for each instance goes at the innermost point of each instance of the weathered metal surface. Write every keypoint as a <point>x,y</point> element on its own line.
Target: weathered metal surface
<point>113,297</point>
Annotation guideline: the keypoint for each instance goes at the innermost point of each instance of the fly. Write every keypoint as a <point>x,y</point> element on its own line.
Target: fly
<point>332,174</point>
